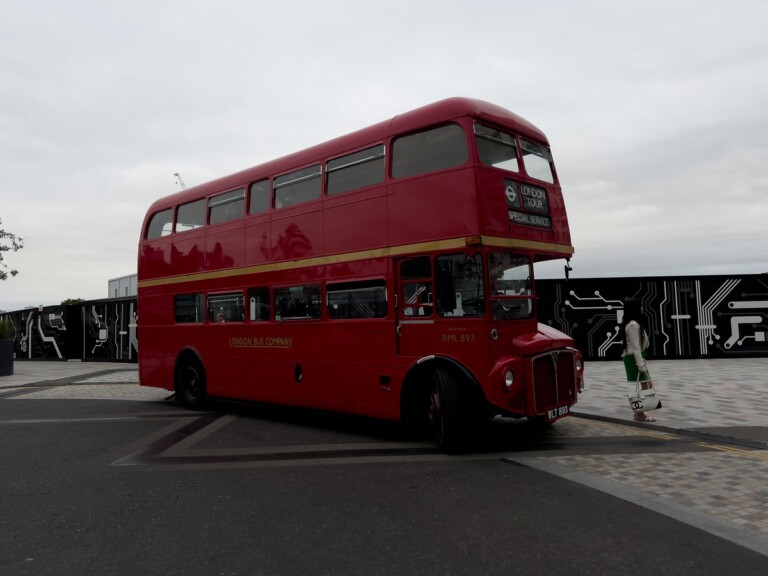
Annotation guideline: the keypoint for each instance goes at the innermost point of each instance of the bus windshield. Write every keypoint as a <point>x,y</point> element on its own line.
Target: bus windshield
<point>511,286</point>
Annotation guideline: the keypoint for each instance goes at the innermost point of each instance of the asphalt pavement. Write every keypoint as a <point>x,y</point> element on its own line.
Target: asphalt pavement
<point>719,488</point>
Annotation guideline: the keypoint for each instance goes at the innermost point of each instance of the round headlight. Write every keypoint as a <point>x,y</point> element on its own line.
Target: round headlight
<point>579,365</point>
<point>509,378</point>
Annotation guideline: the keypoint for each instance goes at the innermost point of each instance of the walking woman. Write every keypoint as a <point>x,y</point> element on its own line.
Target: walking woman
<point>635,347</point>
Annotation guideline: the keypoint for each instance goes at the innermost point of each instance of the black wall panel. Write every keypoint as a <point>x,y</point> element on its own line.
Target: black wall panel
<point>686,316</point>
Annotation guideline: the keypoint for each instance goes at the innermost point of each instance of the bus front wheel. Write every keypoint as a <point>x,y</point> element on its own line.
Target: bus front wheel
<point>447,412</point>
<point>190,382</point>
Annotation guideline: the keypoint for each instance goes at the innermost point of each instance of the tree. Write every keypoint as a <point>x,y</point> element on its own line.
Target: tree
<point>8,243</point>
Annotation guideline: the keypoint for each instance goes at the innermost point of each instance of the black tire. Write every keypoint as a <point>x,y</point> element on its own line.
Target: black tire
<point>448,413</point>
<point>190,383</point>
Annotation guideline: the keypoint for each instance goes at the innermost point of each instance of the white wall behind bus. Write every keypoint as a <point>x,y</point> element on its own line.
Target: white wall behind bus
<point>123,286</point>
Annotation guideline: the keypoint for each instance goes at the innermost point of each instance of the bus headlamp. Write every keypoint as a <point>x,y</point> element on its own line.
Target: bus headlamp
<point>509,378</point>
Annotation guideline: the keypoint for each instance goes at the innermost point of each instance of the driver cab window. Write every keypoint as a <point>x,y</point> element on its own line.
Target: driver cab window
<point>459,285</point>
<point>511,286</point>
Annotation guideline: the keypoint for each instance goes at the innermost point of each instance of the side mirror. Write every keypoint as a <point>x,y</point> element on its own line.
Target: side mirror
<point>568,269</point>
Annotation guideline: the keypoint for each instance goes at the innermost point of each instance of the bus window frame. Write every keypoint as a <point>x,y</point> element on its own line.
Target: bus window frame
<point>212,319</point>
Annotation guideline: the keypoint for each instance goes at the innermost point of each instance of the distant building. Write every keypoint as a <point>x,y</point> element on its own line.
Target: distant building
<point>123,287</point>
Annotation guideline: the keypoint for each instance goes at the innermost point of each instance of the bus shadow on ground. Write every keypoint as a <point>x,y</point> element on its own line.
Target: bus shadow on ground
<point>264,425</point>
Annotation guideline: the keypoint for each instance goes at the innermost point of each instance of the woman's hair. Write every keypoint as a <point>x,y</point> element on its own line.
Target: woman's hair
<point>632,311</point>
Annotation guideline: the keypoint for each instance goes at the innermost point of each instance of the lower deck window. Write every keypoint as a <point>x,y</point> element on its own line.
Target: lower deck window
<point>297,303</point>
<point>226,307</point>
<point>188,308</point>
<point>366,299</point>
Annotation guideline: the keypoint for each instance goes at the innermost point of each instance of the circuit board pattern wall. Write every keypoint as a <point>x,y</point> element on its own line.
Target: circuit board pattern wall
<point>686,316</point>
<point>95,330</point>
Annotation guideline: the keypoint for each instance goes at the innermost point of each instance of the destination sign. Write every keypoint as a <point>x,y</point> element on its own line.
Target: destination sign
<point>535,199</point>
<point>527,205</point>
<point>528,219</point>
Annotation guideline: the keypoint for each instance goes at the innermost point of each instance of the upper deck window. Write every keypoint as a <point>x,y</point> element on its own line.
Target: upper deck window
<point>227,206</point>
<point>191,216</point>
<point>496,148</point>
<point>299,186</point>
<point>160,225</point>
<point>357,170</point>
<point>537,161</point>
<point>437,149</point>
<point>259,197</point>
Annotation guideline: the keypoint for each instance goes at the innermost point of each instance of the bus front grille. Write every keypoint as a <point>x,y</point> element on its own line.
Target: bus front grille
<point>554,380</point>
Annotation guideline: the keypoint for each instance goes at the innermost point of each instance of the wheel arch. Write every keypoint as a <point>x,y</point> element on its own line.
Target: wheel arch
<point>417,380</point>
<point>184,354</point>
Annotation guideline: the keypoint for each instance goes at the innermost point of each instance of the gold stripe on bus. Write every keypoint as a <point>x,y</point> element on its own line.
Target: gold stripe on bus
<point>454,243</point>
<point>503,242</point>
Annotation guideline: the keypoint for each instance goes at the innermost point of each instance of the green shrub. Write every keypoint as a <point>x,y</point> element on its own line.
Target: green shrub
<point>6,329</point>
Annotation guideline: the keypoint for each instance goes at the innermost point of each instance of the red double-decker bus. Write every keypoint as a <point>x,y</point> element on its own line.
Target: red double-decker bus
<point>387,273</point>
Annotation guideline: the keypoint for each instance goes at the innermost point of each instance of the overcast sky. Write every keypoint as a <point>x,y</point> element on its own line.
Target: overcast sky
<point>657,113</point>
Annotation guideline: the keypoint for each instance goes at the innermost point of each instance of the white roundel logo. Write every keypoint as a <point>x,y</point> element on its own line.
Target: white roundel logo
<point>511,194</point>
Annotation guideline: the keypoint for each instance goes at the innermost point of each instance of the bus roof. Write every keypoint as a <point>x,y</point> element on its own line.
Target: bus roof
<point>441,111</point>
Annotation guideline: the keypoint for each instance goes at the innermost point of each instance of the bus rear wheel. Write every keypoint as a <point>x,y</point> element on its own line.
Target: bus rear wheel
<point>447,412</point>
<point>190,382</point>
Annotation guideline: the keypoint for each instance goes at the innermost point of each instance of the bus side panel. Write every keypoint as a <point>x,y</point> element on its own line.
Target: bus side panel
<point>420,210</point>
<point>359,357</point>
<point>257,242</point>
<point>187,256</point>
<point>356,220</point>
<point>225,246</point>
<point>279,363</point>
<point>157,335</point>
<point>155,259</point>
<point>296,232</point>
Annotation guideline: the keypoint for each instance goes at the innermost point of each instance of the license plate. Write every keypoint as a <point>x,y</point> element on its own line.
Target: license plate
<point>558,412</point>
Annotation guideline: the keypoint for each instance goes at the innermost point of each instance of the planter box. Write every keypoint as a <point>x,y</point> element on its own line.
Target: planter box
<point>6,357</point>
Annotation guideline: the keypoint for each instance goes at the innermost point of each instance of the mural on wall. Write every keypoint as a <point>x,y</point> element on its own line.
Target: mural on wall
<point>99,330</point>
<point>39,333</point>
<point>110,330</point>
<point>686,317</point>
